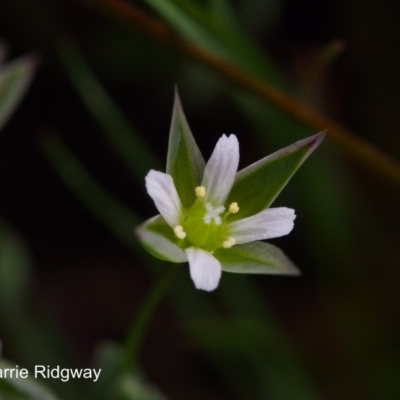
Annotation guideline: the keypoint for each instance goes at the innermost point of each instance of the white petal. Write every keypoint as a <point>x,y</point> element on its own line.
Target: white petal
<point>159,245</point>
<point>268,224</point>
<point>205,269</point>
<point>221,168</point>
<point>161,189</point>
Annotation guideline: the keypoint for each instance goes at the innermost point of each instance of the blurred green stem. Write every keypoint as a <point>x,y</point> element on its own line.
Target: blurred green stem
<point>141,322</point>
<point>358,149</point>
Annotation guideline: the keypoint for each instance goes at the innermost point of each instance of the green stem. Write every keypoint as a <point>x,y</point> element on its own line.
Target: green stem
<point>142,320</point>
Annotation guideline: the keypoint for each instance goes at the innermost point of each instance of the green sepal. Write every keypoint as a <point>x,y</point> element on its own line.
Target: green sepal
<point>184,161</point>
<point>23,388</point>
<point>257,186</point>
<point>158,238</point>
<point>14,80</point>
<point>256,258</point>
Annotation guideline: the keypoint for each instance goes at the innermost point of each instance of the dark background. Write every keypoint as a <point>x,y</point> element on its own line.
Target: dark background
<point>339,319</point>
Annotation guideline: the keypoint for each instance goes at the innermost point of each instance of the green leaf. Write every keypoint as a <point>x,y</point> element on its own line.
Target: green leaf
<point>200,25</point>
<point>255,258</point>
<point>188,20</point>
<point>257,186</point>
<point>23,388</point>
<point>184,161</point>
<point>14,80</point>
<point>157,238</point>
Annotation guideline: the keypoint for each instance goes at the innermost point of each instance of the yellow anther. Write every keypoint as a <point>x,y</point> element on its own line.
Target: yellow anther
<point>228,243</point>
<point>200,191</point>
<point>234,208</point>
<point>179,232</point>
<point>181,235</point>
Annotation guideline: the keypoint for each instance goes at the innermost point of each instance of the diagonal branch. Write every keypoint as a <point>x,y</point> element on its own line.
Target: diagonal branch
<point>357,148</point>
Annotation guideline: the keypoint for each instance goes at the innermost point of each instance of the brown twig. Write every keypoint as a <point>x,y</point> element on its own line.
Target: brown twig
<point>357,148</point>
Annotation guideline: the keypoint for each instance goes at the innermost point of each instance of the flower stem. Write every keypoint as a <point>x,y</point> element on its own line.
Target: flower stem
<point>141,322</point>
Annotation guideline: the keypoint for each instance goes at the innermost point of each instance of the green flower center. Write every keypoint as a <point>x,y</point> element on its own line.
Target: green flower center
<point>205,224</point>
<point>204,227</point>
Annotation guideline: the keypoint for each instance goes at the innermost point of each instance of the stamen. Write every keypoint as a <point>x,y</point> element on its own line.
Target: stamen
<point>213,213</point>
<point>200,191</point>
<point>179,232</point>
<point>234,208</point>
<point>228,243</point>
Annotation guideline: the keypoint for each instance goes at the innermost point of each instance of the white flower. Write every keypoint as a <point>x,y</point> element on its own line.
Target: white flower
<point>214,217</point>
<point>205,227</point>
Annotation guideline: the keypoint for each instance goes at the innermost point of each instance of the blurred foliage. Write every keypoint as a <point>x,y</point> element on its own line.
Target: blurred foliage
<point>330,334</point>
<point>27,388</point>
<point>14,79</point>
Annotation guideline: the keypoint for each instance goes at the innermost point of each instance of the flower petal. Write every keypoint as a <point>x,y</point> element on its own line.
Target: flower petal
<point>161,188</point>
<point>157,237</point>
<point>221,168</point>
<point>268,224</point>
<point>205,269</point>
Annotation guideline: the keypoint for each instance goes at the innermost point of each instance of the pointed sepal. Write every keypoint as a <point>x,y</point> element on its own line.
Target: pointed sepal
<point>184,161</point>
<point>256,258</point>
<point>257,186</point>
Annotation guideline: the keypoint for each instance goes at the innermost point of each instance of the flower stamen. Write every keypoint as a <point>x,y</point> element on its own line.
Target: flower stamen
<point>200,191</point>
<point>228,243</point>
<point>179,232</point>
<point>234,208</point>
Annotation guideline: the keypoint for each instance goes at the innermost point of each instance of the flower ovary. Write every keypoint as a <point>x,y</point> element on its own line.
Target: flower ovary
<point>213,214</point>
<point>205,224</point>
